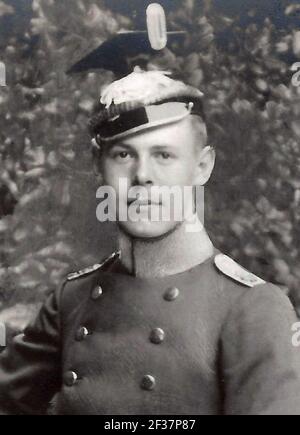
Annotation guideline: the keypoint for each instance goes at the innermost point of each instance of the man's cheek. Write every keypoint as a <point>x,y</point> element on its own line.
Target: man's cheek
<point>178,175</point>
<point>111,176</point>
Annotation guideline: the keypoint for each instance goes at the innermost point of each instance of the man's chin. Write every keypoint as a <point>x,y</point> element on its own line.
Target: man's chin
<point>147,229</point>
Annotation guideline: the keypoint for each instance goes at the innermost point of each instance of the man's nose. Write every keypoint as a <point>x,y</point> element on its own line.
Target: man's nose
<point>143,173</point>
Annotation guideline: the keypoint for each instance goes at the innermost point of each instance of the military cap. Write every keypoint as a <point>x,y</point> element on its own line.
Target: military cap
<point>118,52</point>
<point>142,99</point>
<point>121,51</point>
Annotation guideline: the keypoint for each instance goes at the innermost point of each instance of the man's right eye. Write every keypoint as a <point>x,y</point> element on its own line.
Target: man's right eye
<point>122,156</point>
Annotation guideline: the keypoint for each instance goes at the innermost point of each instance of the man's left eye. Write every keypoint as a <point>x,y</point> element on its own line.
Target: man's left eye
<point>123,155</point>
<point>164,155</point>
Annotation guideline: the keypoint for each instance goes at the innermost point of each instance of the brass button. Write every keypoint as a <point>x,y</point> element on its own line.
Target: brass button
<point>97,292</point>
<point>148,383</point>
<point>82,333</point>
<point>171,294</point>
<point>70,379</point>
<point>157,336</point>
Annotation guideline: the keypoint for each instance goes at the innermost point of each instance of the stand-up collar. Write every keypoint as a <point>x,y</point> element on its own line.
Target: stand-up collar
<point>177,252</point>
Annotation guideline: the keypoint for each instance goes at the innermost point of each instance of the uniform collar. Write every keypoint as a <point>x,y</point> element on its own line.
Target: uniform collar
<point>175,253</point>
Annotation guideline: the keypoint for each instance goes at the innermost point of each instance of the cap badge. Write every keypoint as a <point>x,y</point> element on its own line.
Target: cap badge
<point>157,26</point>
<point>138,86</point>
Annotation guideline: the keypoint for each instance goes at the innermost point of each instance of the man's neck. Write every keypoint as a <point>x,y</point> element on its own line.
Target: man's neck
<point>177,252</point>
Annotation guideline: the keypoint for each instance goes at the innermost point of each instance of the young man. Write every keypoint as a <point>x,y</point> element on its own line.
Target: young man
<point>167,325</point>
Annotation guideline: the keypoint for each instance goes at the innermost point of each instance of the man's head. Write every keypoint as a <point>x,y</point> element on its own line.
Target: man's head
<point>168,151</point>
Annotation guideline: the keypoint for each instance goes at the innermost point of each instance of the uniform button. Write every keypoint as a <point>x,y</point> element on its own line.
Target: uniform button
<point>148,383</point>
<point>82,333</point>
<point>70,379</point>
<point>157,336</point>
<point>171,294</point>
<point>97,292</point>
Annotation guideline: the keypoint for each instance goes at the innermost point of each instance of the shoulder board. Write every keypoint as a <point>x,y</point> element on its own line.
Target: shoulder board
<point>232,269</point>
<point>89,270</point>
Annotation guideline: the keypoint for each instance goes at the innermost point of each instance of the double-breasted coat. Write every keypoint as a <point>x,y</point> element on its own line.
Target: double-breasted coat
<point>198,342</point>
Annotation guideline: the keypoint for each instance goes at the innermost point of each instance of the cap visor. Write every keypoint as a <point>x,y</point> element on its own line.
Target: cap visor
<point>154,117</point>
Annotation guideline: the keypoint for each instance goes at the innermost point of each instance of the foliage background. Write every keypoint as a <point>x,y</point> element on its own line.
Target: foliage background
<point>239,53</point>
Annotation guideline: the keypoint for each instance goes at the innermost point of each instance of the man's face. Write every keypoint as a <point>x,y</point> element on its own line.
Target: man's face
<point>163,157</point>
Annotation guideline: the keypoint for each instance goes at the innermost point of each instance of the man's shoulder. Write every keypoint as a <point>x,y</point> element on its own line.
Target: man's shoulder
<point>248,292</point>
<point>78,285</point>
<point>238,284</point>
<point>235,273</point>
<point>89,271</point>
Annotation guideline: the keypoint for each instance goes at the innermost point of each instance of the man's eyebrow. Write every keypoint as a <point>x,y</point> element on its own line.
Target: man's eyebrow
<point>121,145</point>
<point>164,146</point>
<point>158,147</point>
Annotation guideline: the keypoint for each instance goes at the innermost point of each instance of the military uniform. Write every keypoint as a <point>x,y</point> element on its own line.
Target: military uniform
<point>212,340</point>
<point>175,332</point>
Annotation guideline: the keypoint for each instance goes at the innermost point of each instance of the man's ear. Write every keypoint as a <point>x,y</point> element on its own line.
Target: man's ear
<point>206,163</point>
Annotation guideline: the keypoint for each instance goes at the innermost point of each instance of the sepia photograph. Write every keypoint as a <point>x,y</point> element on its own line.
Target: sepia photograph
<point>150,210</point>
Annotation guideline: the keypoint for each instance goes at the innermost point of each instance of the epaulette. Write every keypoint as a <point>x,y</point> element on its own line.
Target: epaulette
<point>232,269</point>
<point>89,270</point>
